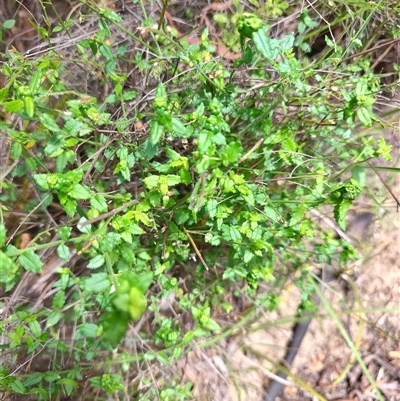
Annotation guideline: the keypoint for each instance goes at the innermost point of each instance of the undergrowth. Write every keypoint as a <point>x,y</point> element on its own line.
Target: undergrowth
<point>153,207</point>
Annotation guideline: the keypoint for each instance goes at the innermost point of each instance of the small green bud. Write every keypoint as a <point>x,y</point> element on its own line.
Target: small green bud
<point>248,23</point>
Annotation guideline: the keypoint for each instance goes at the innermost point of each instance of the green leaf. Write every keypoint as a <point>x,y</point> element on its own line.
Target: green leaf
<point>364,115</point>
<point>205,140</point>
<point>2,234</point>
<point>14,106</point>
<point>137,303</point>
<point>29,106</point>
<point>129,95</point>
<point>49,122</point>
<point>51,376</point>
<point>65,233</point>
<point>340,212</point>
<point>41,180</point>
<point>266,46</point>
<point>151,181</point>
<point>54,145</point>
<point>18,387</point>
<point>31,262</point>
<point>89,330</point>
<point>35,328</point>
<point>173,179</point>
<point>111,15</point>
<point>69,206</point>
<point>287,42</point>
<point>8,24</point>
<point>212,208</point>
<point>106,51</point>
<point>8,269</point>
<point>182,215</point>
<point>35,82</point>
<point>163,358</point>
<point>235,234</point>
<point>53,318</point>
<point>68,384</point>
<point>80,192</point>
<point>33,379</point>
<point>59,299</point>
<point>99,203</point>
<point>63,252</point>
<point>96,262</point>
<point>128,255</point>
<point>115,324</point>
<point>298,214</point>
<point>156,131</point>
<point>110,241</point>
<point>97,282</point>
<point>179,129</point>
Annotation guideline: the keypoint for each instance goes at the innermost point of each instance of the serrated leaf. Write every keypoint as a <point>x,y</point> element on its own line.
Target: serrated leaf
<point>129,95</point>
<point>96,262</point>
<point>8,269</point>
<point>340,212</point>
<point>89,330</point>
<point>35,328</point>
<point>54,145</point>
<point>53,318</point>
<point>97,282</point>
<point>41,180</point>
<point>115,324</point>
<point>173,179</point>
<point>128,255</point>
<point>179,129</point>
<point>182,216</point>
<point>266,46</point>
<point>235,234</point>
<point>212,208</point>
<point>248,256</point>
<point>298,214</point>
<point>361,87</point>
<point>31,262</point>
<point>287,42</point>
<point>18,387</point>
<point>151,181</point>
<point>99,203</point>
<point>49,122</point>
<point>59,299</point>
<point>69,206</point>
<point>80,191</point>
<point>106,52</point>
<point>63,252</point>
<point>364,116</point>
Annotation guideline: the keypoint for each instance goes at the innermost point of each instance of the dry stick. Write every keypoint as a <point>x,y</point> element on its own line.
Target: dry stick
<point>276,387</point>
<point>382,56</point>
<point>389,42</point>
<point>386,186</point>
<point>252,150</point>
<point>108,214</point>
<point>196,249</point>
<point>300,329</point>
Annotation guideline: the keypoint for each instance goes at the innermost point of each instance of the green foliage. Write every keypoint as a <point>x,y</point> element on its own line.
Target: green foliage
<point>213,198</point>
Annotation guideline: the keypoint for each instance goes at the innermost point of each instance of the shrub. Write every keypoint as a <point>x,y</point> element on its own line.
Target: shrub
<point>165,203</point>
